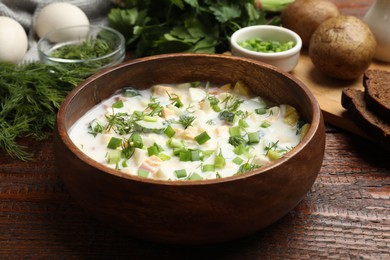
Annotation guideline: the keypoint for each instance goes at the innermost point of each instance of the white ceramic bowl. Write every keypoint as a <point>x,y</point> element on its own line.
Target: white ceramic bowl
<point>285,60</point>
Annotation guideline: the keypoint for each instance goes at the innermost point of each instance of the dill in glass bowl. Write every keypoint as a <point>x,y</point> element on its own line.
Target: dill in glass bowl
<point>91,47</point>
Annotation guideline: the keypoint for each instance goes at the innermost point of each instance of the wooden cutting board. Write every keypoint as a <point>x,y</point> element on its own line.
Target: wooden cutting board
<point>328,92</point>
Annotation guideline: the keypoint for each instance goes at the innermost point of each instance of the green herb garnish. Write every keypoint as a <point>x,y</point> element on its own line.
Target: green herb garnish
<point>30,95</point>
<point>246,167</point>
<point>182,26</point>
<point>259,45</point>
<point>86,50</point>
<point>186,120</point>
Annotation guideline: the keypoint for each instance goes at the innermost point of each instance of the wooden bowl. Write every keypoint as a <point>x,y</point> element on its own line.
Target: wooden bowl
<point>191,212</point>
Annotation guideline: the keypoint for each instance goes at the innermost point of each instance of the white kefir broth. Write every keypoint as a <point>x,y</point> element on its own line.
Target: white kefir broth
<point>256,116</point>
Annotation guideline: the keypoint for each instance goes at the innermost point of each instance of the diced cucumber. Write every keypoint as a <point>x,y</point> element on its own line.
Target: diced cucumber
<point>157,127</point>
<point>113,157</point>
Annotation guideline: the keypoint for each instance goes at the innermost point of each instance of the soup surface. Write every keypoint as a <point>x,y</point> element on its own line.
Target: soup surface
<point>190,131</point>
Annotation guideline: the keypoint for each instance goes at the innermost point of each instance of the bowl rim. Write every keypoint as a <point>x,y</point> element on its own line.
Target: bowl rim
<point>279,29</point>
<point>120,48</point>
<point>316,121</point>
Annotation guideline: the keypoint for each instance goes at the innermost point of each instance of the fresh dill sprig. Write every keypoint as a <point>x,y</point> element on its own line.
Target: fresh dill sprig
<point>186,120</point>
<point>232,102</point>
<point>30,95</point>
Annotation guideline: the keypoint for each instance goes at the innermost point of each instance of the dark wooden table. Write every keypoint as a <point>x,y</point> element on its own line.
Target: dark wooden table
<point>346,214</point>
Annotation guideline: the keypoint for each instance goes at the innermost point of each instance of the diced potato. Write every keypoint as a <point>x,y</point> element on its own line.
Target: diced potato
<point>291,115</point>
<point>241,89</point>
<point>139,156</point>
<point>226,87</point>
<point>183,85</point>
<point>260,160</point>
<point>160,90</point>
<point>105,138</point>
<point>162,173</point>
<point>222,130</point>
<point>303,131</point>
<point>205,105</point>
<point>177,111</point>
<point>190,133</point>
<point>167,113</point>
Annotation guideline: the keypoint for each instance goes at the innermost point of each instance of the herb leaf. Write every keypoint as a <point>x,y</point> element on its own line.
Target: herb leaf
<point>182,25</point>
<point>30,95</point>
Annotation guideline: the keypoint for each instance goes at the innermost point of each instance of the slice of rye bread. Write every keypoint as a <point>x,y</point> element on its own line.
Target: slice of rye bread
<point>377,92</point>
<point>353,100</point>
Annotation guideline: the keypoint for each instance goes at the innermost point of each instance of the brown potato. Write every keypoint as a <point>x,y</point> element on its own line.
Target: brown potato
<point>342,47</point>
<point>304,16</point>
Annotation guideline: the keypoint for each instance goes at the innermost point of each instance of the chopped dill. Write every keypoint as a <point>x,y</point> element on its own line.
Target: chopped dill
<point>186,120</point>
<point>88,49</point>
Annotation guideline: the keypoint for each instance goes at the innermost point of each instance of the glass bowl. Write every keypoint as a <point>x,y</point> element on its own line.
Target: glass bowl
<point>89,46</point>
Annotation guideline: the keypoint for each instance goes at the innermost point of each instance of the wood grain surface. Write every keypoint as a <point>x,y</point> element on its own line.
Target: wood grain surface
<point>346,214</point>
<point>328,91</point>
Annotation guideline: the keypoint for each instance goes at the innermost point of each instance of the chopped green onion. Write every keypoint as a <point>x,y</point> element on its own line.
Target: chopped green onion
<point>274,155</point>
<point>227,116</point>
<point>127,151</point>
<point>246,167</point>
<point>260,45</point>
<point>150,118</point>
<point>208,168</point>
<point>242,123</point>
<point>185,156</point>
<point>239,149</point>
<point>142,173</point>
<point>169,131</point>
<point>260,111</point>
<point>235,131</point>
<point>175,100</point>
<point>130,92</point>
<point>95,128</point>
<point>219,161</point>
<point>213,100</point>
<point>124,164</point>
<point>205,154</point>
<point>136,140</point>
<point>238,160</point>
<point>113,156</point>
<point>152,150</point>
<point>118,104</point>
<point>114,143</point>
<point>195,155</point>
<point>236,140</point>
<point>253,138</point>
<point>202,137</point>
<point>181,173</point>
<point>195,177</point>
<point>155,149</point>
<point>174,143</point>
<point>164,157</point>
<point>265,124</point>
<point>216,108</point>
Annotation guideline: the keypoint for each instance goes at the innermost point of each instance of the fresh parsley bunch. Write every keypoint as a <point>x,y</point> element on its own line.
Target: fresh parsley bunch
<point>167,26</point>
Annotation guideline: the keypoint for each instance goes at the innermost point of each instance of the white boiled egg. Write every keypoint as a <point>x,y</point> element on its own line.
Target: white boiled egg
<point>59,15</point>
<point>13,40</point>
